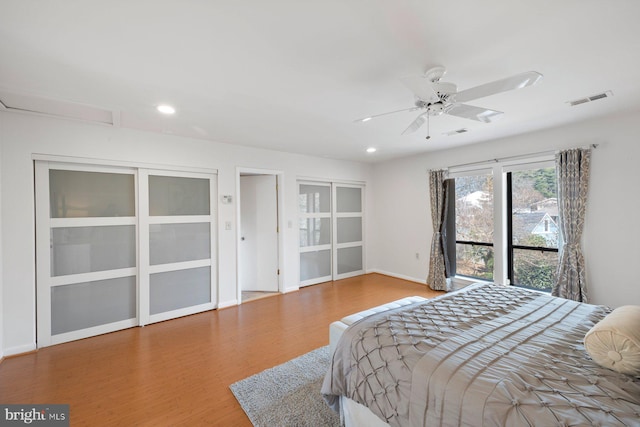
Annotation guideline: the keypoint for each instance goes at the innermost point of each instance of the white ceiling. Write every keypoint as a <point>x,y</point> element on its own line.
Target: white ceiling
<point>293,75</point>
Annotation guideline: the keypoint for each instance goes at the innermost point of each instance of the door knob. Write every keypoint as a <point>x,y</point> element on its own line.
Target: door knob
<point>242,238</point>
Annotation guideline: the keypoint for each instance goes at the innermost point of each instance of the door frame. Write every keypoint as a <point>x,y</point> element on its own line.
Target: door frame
<point>280,208</point>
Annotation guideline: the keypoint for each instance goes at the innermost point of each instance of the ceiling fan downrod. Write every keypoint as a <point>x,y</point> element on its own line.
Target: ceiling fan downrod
<point>428,131</point>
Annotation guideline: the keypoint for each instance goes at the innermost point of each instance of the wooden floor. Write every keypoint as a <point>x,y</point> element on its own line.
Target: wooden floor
<point>178,372</point>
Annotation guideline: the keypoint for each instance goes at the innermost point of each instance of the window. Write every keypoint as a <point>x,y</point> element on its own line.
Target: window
<point>473,197</point>
<point>532,227</point>
<point>502,224</point>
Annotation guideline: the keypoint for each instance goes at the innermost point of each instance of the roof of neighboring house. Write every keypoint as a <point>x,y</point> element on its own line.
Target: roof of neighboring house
<point>525,222</point>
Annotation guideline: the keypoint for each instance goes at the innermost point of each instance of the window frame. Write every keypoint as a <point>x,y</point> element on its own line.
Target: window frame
<point>510,245</point>
<point>498,168</point>
<point>453,241</point>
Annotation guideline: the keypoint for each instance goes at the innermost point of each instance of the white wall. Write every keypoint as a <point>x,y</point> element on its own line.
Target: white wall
<point>24,135</point>
<point>403,218</point>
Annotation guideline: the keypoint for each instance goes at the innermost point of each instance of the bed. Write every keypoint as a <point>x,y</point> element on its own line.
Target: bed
<point>487,355</point>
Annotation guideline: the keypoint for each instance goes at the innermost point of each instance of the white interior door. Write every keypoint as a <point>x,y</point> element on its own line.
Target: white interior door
<point>258,264</point>
<point>86,251</point>
<point>178,274</point>
<point>314,207</point>
<point>348,228</point>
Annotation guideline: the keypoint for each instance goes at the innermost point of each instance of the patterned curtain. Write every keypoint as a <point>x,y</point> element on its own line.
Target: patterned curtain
<point>437,278</point>
<point>573,181</point>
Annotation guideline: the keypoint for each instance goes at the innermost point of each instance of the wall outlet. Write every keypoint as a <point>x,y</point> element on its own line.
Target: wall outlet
<point>227,225</point>
<point>417,255</point>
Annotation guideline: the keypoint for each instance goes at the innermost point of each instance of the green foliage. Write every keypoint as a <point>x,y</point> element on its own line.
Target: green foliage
<point>535,269</point>
<point>534,240</point>
<point>545,182</point>
<point>542,180</point>
<point>474,261</point>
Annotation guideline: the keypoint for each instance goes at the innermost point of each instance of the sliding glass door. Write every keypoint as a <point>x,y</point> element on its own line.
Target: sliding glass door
<point>330,231</point>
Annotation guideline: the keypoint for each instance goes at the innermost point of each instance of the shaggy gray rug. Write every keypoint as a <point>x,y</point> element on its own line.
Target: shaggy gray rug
<point>288,394</point>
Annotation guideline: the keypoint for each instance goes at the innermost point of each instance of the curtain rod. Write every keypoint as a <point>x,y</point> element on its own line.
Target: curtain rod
<point>520,156</point>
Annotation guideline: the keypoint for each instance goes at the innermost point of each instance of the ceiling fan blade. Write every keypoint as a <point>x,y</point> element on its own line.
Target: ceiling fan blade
<point>474,113</point>
<point>421,87</point>
<point>415,125</point>
<point>366,119</point>
<point>510,83</point>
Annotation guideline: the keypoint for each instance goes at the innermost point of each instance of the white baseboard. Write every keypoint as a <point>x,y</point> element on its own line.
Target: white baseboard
<point>12,351</point>
<point>230,303</point>
<point>292,289</point>
<point>399,276</point>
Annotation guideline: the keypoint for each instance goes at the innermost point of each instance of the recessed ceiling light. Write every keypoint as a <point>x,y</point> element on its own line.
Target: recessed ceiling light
<point>371,150</point>
<point>166,109</point>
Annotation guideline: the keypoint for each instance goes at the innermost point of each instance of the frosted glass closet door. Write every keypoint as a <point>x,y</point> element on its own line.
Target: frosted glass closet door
<point>314,210</point>
<point>348,254</point>
<point>178,268</point>
<point>86,251</point>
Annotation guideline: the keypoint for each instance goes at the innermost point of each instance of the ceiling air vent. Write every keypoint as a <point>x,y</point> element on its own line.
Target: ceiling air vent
<point>590,98</point>
<point>456,132</point>
<point>32,104</point>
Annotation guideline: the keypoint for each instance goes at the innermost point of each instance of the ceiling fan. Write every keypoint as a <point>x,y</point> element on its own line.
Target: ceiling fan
<point>435,97</point>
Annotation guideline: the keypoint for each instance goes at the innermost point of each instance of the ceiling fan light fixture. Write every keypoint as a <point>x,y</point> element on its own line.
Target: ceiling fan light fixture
<point>166,109</point>
<point>436,109</point>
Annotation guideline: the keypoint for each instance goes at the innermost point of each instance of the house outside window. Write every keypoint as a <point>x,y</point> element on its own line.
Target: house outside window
<point>502,223</point>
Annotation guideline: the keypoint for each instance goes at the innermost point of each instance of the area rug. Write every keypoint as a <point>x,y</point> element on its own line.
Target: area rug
<point>288,394</point>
